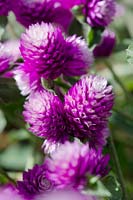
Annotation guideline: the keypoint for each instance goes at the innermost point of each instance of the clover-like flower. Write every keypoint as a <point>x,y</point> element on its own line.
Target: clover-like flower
<point>70,164</point>
<point>34,182</point>
<point>88,105</point>
<point>46,50</point>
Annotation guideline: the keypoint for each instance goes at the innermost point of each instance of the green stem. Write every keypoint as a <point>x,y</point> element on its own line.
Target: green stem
<point>117,79</point>
<point>7,176</point>
<point>117,167</point>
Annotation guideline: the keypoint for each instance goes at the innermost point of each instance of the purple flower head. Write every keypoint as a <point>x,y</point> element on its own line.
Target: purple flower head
<point>9,192</point>
<point>72,162</point>
<point>49,11</point>
<point>105,47</point>
<point>45,115</point>
<point>64,195</point>
<point>87,105</point>
<point>99,13</point>
<point>34,182</point>
<point>45,48</point>
<point>9,53</point>
<point>4,7</point>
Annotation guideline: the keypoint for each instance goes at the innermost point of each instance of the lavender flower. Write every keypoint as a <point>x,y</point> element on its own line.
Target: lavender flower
<point>65,195</point>
<point>50,54</point>
<point>34,182</point>
<point>99,13</point>
<point>8,192</point>
<point>9,53</point>
<point>33,11</point>
<point>105,47</point>
<point>4,7</point>
<point>87,105</point>
<point>45,115</point>
<point>72,162</point>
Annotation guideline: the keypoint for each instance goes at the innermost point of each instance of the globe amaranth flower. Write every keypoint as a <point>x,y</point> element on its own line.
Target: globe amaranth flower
<point>9,53</point>
<point>50,54</point>
<point>65,195</point>
<point>8,192</point>
<point>105,47</point>
<point>45,115</point>
<point>70,164</point>
<point>34,182</point>
<point>4,7</point>
<point>99,13</point>
<point>87,106</point>
<point>33,11</point>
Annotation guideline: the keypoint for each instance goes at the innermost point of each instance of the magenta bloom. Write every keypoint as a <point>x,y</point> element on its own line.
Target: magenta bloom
<point>72,162</point>
<point>87,105</point>
<point>9,192</point>
<point>4,7</point>
<point>105,47</point>
<point>34,182</point>
<point>9,53</point>
<point>45,115</point>
<point>33,11</point>
<point>46,50</point>
<point>99,13</point>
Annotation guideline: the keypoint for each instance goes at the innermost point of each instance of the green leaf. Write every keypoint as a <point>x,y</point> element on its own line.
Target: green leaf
<point>114,188</point>
<point>94,36</point>
<point>16,157</point>
<point>3,23</point>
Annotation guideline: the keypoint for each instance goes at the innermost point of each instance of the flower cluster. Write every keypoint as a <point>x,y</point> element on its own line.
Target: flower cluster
<point>64,171</point>
<point>84,113</point>
<point>73,122</point>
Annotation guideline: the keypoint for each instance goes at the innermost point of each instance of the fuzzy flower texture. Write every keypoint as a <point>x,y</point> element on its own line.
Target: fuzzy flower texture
<point>64,171</point>
<point>34,182</point>
<point>48,53</point>
<point>87,106</point>
<point>45,115</point>
<point>84,114</point>
<point>49,11</point>
<point>71,169</point>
